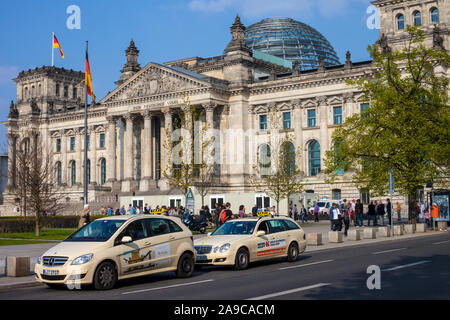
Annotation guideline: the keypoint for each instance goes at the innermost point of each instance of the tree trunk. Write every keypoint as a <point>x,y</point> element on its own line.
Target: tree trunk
<point>412,206</point>
<point>38,225</point>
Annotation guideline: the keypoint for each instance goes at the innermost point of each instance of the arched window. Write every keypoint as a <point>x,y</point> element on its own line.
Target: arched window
<point>102,171</point>
<point>58,174</point>
<point>88,171</point>
<point>417,18</point>
<point>434,15</point>
<point>400,22</point>
<point>289,158</point>
<point>265,160</point>
<point>314,158</point>
<point>25,94</point>
<point>57,90</point>
<point>73,173</point>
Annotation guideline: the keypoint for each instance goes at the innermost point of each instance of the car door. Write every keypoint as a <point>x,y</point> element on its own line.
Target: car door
<point>134,257</point>
<point>278,239</point>
<point>164,242</point>
<point>261,245</point>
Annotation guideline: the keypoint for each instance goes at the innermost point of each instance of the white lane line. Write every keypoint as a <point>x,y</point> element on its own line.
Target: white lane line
<point>442,242</point>
<point>305,265</point>
<point>282,293</point>
<point>407,265</point>
<point>168,287</point>
<point>386,251</point>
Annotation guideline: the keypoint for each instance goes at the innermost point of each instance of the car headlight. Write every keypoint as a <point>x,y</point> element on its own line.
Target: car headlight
<point>39,259</point>
<point>225,247</point>
<point>216,249</point>
<point>83,259</point>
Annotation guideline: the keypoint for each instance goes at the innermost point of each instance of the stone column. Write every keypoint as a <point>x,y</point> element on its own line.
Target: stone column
<point>80,158</point>
<point>298,132</point>
<point>166,156</point>
<point>12,163</point>
<point>112,145</point>
<point>93,153</point>
<point>147,153</point>
<point>323,122</point>
<point>129,153</point>
<point>64,158</point>
<point>209,160</point>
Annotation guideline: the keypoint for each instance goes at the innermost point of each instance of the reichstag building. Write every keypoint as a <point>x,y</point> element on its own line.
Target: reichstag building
<point>276,65</point>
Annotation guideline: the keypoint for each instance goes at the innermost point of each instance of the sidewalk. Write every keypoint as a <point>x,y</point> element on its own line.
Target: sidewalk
<point>35,250</point>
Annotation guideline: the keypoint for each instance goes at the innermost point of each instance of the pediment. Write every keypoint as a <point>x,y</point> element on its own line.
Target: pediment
<point>156,79</point>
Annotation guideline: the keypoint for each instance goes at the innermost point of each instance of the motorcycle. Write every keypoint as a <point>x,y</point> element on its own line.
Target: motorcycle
<point>196,223</point>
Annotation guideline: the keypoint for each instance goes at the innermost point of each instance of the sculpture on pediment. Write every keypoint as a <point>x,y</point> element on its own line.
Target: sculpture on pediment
<point>383,44</point>
<point>13,112</point>
<point>34,107</point>
<point>438,41</point>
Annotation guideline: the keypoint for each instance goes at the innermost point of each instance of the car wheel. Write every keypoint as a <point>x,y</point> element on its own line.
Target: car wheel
<point>186,266</point>
<point>241,260</point>
<point>293,252</point>
<point>105,277</point>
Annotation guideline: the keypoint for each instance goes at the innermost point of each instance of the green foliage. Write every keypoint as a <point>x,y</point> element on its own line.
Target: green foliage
<point>406,127</point>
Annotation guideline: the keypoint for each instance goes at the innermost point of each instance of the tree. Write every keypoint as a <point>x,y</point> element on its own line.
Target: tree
<point>36,175</point>
<point>277,173</point>
<point>406,126</point>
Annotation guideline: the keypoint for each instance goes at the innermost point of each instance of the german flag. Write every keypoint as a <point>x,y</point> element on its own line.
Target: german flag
<point>88,78</point>
<point>57,45</point>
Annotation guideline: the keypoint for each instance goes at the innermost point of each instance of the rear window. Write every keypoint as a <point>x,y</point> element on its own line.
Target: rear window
<point>174,227</point>
<point>276,226</point>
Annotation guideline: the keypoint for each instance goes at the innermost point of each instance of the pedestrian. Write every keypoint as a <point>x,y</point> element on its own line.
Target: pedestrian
<point>316,212</point>
<point>131,210</point>
<point>381,212</point>
<point>354,212</point>
<point>372,214</point>
<point>110,211</point>
<point>389,211</point>
<point>335,217</point>
<point>420,214</point>
<point>427,218</point>
<point>255,211</point>
<point>146,209</point>
<point>359,210</point>
<point>304,214</point>
<point>208,214</point>
<point>346,218</point>
<point>399,212</point>
<point>241,213</point>
<point>290,211</point>
<point>117,213</point>
<point>85,217</point>
<point>295,212</point>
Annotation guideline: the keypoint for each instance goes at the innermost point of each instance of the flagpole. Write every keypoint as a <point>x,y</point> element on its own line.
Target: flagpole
<point>53,50</point>
<point>85,138</point>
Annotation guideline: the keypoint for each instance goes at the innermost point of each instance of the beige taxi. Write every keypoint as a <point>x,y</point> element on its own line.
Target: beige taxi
<point>241,241</point>
<point>119,247</point>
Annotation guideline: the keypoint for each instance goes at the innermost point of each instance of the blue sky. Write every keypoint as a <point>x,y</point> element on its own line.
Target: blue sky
<point>162,30</point>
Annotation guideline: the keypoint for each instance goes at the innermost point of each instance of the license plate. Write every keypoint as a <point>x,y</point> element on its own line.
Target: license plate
<point>51,272</point>
<point>201,257</point>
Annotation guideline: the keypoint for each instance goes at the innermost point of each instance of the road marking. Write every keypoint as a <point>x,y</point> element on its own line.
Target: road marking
<point>386,251</point>
<point>407,265</point>
<point>282,293</point>
<point>168,287</point>
<point>305,265</point>
<point>442,242</point>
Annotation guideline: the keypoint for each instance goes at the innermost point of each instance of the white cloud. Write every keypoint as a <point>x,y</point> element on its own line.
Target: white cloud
<point>7,73</point>
<point>260,8</point>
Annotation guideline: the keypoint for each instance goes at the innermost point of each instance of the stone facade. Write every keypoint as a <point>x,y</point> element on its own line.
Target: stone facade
<point>128,127</point>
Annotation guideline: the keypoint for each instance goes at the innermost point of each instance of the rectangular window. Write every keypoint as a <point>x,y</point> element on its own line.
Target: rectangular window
<point>337,112</point>
<point>336,194</point>
<point>286,120</point>
<point>364,107</point>
<point>72,143</point>
<point>88,142</point>
<point>263,122</point>
<point>311,118</point>
<point>74,93</point>
<point>66,91</point>
<point>365,196</point>
<point>57,90</point>
<point>102,140</point>
<point>58,145</point>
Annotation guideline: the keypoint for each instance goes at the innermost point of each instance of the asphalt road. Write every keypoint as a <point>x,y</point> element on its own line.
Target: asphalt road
<point>416,268</point>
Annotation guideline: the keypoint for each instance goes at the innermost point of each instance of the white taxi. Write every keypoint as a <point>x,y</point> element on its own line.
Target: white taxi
<point>241,241</point>
<point>119,247</point>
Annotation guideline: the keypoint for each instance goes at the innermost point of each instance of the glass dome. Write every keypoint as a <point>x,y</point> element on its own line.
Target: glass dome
<point>291,40</point>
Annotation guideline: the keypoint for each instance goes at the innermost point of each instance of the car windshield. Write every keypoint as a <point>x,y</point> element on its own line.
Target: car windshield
<point>235,227</point>
<point>97,231</point>
<point>321,204</point>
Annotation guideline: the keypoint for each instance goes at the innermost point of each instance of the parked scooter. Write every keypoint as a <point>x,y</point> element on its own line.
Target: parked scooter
<point>195,223</point>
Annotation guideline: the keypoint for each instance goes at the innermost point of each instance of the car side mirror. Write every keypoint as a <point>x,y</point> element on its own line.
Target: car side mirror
<point>260,233</point>
<point>209,234</point>
<point>126,239</point>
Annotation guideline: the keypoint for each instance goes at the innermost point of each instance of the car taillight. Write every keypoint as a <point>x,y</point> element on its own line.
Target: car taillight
<point>304,236</point>
<point>192,239</point>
